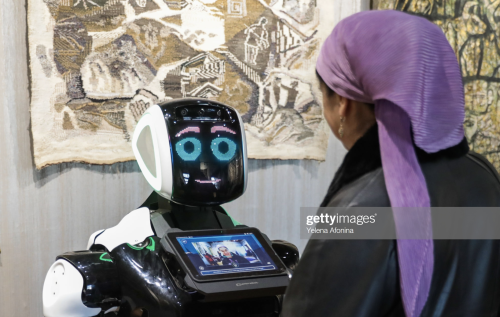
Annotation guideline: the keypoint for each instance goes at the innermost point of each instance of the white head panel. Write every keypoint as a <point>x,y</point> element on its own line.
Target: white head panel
<point>152,150</point>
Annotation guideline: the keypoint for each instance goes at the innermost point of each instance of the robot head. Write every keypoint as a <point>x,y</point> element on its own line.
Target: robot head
<point>192,151</point>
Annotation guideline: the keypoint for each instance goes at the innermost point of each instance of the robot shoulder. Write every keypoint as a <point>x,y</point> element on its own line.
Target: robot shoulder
<point>62,292</point>
<point>133,228</point>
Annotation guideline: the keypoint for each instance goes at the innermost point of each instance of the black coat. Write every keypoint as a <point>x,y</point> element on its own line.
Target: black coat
<point>354,278</point>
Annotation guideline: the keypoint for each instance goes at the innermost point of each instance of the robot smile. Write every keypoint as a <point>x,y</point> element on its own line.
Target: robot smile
<point>213,180</point>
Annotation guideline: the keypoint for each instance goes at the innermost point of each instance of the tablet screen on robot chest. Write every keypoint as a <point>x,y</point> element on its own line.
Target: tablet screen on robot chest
<point>211,255</point>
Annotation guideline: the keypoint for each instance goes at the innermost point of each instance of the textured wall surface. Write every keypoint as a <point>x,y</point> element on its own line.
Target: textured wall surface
<point>44,213</point>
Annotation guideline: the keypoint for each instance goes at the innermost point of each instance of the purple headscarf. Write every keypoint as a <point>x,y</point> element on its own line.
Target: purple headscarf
<point>405,66</point>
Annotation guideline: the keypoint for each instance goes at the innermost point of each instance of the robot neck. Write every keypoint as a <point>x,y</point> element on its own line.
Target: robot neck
<point>166,214</point>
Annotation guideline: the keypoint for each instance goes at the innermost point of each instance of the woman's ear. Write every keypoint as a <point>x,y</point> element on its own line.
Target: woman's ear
<point>344,106</point>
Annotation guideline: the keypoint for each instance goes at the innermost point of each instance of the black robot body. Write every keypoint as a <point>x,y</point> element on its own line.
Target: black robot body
<point>144,277</point>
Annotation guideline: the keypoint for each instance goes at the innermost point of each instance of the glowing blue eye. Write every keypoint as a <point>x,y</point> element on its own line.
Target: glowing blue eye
<point>180,147</point>
<point>227,155</point>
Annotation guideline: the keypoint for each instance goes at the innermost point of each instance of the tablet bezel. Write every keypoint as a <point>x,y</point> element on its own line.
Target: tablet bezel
<point>193,272</point>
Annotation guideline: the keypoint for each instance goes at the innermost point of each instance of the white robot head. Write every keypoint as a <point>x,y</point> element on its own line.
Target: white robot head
<point>192,151</point>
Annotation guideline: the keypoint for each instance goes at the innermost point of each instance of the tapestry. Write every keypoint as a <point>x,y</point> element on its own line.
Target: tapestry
<point>473,30</point>
<point>97,65</point>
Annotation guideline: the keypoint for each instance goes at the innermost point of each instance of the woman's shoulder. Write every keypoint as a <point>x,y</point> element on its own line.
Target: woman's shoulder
<point>468,180</point>
<point>366,191</point>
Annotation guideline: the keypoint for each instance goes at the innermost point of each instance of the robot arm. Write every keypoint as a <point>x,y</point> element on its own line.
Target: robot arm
<point>81,284</point>
<point>62,292</point>
<point>287,252</point>
<point>92,238</point>
<point>133,228</point>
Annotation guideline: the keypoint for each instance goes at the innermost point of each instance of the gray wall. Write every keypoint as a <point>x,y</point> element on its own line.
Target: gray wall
<point>44,213</point>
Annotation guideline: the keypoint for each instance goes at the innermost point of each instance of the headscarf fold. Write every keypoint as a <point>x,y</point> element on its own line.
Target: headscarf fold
<point>405,66</point>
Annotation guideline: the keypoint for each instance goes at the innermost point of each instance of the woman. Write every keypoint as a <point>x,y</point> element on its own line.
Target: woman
<point>393,95</point>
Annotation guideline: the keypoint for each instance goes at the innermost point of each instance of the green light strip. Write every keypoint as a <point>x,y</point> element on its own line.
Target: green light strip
<point>103,259</point>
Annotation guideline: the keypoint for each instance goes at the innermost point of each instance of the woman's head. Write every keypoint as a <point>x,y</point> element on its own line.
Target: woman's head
<point>403,59</point>
<point>348,119</point>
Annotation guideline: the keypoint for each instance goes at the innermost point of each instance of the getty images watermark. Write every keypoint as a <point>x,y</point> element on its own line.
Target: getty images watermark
<point>418,223</point>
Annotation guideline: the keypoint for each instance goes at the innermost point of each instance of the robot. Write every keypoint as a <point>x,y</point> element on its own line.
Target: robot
<point>179,254</point>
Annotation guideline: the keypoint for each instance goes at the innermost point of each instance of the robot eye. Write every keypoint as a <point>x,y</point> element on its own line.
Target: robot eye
<point>223,148</point>
<point>188,148</point>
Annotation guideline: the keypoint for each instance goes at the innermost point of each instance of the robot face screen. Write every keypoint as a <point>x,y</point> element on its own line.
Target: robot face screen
<point>207,157</point>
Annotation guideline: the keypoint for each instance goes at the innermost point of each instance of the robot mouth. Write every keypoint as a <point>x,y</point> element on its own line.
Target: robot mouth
<point>213,180</point>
